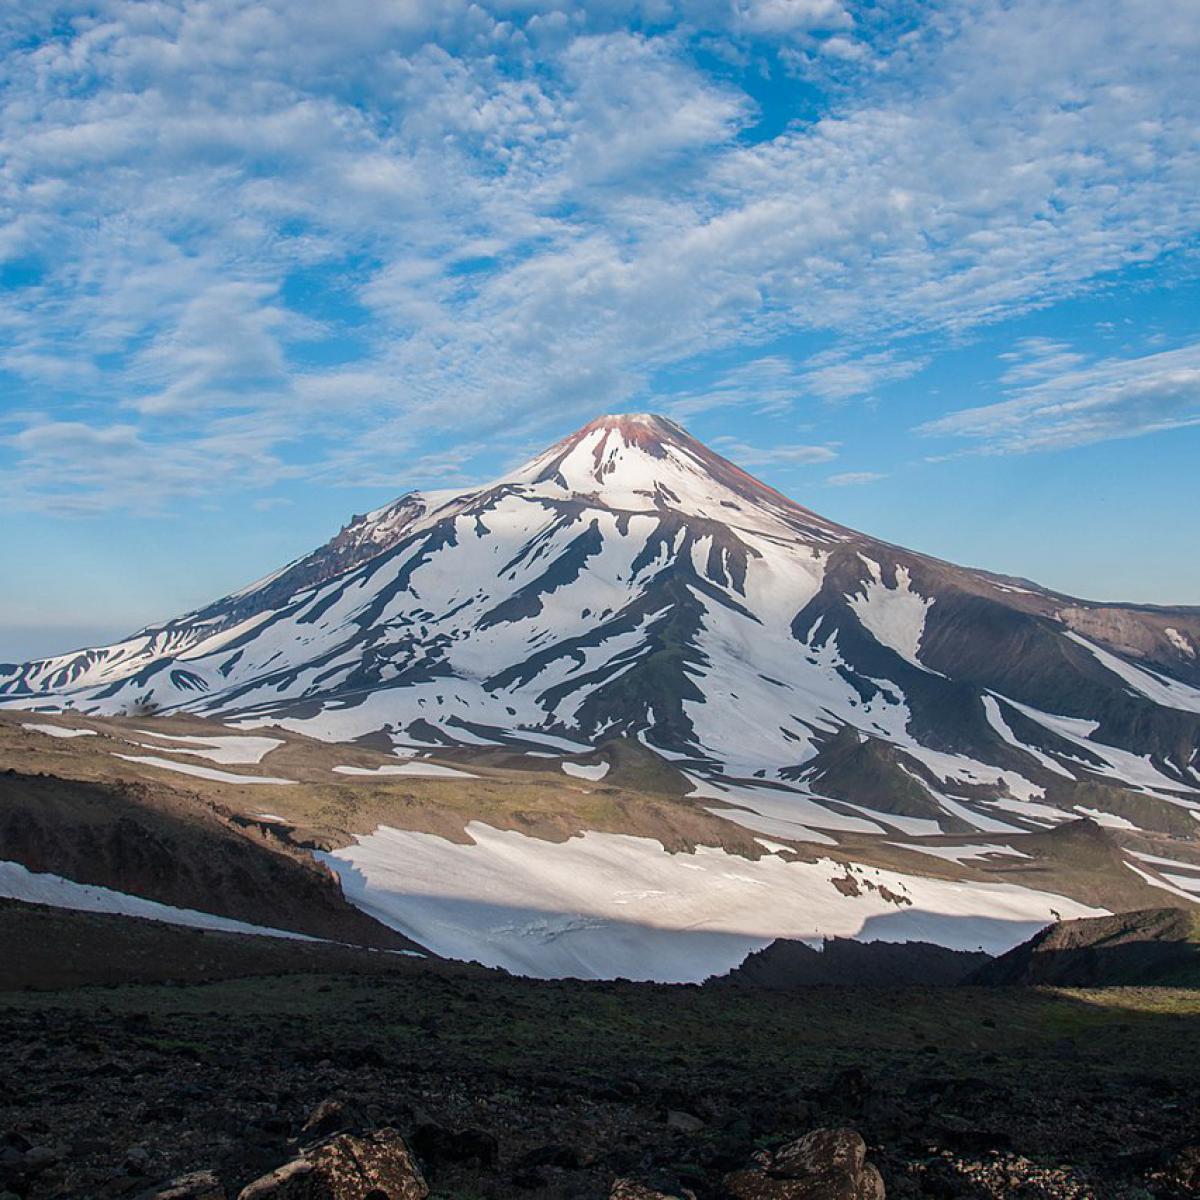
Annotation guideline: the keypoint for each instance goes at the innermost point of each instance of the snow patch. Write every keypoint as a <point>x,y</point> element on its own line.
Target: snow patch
<point>180,768</point>
<point>229,751</point>
<point>775,847</point>
<point>1168,692</point>
<point>410,769</point>
<point>57,731</point>
<point>996,720</point>
<point>961,854</point>
<point>1155,881</point>
<point>895,617</point>
<point>591,771</point>
<point>1107,819</point>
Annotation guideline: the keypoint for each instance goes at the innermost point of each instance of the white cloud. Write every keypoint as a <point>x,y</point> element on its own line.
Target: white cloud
<point>791,16</point>
<point>508,217</point>
<point>786,454</point>
<point>1102,401</point>
<point>771,384</point>
<point>79,468</point>
<point>841,376</point>
<point>854,478</point>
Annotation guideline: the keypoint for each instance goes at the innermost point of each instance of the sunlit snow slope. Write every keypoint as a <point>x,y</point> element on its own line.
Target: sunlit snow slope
<point>630,582</point>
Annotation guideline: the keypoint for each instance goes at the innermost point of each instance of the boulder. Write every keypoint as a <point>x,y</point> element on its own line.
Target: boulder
<point>827,1164</point>
<point>376,1166</point>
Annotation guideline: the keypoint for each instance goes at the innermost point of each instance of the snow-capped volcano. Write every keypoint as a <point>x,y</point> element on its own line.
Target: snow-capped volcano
<point>629,582</point>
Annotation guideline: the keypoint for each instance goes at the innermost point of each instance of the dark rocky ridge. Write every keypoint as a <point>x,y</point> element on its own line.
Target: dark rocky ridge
<point>787,964</point>
<point>1153,947</point>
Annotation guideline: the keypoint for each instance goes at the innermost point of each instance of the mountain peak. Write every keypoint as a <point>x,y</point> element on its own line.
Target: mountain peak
<point>643,461</point>
<point>636,424</point>
<point>646,431</point>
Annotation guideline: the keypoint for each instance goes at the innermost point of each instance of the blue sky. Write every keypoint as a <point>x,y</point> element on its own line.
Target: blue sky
<point>932,269</point>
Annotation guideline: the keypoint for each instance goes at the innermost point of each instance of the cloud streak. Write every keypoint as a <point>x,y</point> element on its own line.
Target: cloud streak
<point>1111,399</point>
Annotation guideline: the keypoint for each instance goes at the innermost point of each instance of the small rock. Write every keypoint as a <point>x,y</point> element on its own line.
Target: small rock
<point>1181,1175</point>
<point>137,1159</point>
<point>566,1158</point>
<point>684,1122</point>
<point>631,1189</point>
<point>200,1185</point>
<point>375,1165</point>
<point>40,1158</point>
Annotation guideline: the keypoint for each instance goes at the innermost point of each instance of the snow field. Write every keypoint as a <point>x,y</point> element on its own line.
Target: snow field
<point>610,905</point>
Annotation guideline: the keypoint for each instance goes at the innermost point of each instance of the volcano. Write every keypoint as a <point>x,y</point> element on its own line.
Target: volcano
<point>630,585</point>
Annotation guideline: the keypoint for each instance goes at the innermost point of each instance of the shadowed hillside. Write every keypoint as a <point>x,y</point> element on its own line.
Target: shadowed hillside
<point>1154,947</point>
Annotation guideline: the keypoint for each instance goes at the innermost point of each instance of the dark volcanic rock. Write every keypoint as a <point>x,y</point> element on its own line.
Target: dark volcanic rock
<point>566,1158</point>
<point>328,1117</point>
<point>789,964</point>
<point>827,1164</point>
<point>631,1189</point>
<point>377,1166</point>
<point>199,1185</point>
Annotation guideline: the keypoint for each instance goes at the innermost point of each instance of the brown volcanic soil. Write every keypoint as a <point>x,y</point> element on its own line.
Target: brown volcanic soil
<point>326,809</point>
<point>959,1092</point>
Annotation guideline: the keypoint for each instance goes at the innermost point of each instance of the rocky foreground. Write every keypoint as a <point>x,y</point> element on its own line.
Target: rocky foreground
<point>442,1083</point>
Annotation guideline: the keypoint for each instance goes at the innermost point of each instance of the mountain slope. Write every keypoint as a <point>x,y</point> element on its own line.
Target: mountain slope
<point>630,583</point>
